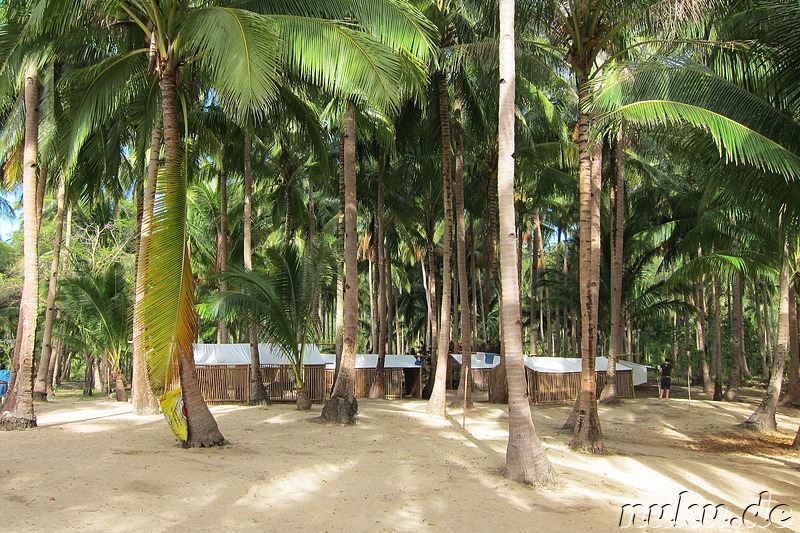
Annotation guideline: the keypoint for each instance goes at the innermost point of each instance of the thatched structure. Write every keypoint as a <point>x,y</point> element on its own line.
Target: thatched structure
<point>223,372</point>
<point>402,373</point>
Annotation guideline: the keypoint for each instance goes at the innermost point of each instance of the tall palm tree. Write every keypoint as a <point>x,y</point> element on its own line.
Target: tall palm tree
<point>526,460</point>
<point>18,410</point>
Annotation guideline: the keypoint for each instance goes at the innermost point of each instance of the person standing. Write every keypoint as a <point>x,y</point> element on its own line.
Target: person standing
<point>665,369</point>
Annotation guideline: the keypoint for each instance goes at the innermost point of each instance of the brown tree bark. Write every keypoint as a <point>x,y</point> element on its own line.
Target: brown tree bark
<point>18,411</point>
<point>342,405</point>
<point>40,386</point>
<point>526,460</point>
<point>437,405</point>
<point>609,394</point>
<point>588,434</point>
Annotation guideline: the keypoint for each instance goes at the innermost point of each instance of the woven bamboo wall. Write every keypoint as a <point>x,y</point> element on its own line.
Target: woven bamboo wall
<point>395,379</point>
<point>563,388</point>
<point>231,384</point>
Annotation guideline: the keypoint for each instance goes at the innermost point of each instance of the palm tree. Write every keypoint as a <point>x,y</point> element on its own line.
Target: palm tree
<point>103,300</point>
<point>281,301</point>
<point>18,411</point>
<point>177,35</point>
<point>526,460</point>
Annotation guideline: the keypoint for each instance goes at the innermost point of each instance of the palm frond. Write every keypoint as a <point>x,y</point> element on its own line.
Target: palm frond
<point>240,51</point>
<point>167,305</point>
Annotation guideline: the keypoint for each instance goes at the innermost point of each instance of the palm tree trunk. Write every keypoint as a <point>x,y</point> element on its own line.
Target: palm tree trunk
<point>588,434</point>
<point>18,411</point>
<point>342,405</point>
<point>433,320</point>
<point>536,246</point>
<point>203,430</point>
<point>737,329</point>
<point>373,309</point>
<point>378,385</point>
<point>40,386</point>
<point>340,267</point>
<point>223,336</point>
<point>763,418</point>
<point>490,242</point>
<point>144,401</point>
<point>609,395</point>
<point>258,394</point>
<point>461,265</point>
<point>716,342</point>
<point>526,461</point>
<point>437,405</point>
<point>88,376</point>
<point>792,396</point>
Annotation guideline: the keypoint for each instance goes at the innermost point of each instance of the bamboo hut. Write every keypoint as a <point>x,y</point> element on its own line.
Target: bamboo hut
<point>558,379</point>
<point>403,375</point>
<point>481,365</point>
<point>223,371</point>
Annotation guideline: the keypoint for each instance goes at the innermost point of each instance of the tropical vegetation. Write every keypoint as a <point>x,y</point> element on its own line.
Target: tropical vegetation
<point>576,178</point>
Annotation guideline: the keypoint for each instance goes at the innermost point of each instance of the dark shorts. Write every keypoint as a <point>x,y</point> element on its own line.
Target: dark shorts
<point>3,389</point>
<point>666,383</point>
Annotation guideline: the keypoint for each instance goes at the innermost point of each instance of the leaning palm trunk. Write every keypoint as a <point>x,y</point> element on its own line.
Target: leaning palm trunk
<point>587,433</point>
<point>465,381</point>
<point>526,461</point>
<point>343,406</point>
<point>144,401</point>
<point>41,385</point>
<point>437,405</point>
<point>763,418</point>
<point>168,312</point>
<point>609,395</point>
<point>18,412</point>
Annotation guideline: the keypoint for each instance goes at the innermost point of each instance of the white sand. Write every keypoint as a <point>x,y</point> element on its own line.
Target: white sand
<point>93,466</point>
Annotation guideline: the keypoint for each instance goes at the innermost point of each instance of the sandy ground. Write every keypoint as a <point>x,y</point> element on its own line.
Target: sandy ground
<point>93,466</point>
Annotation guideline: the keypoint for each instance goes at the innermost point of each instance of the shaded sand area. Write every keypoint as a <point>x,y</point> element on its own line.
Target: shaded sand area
<point>93,466</point>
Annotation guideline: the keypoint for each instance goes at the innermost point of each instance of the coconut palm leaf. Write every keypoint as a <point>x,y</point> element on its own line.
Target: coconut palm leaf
<point>239,51</point>
<point>745,128</point>
<point>281,298</point>
<point>103,90</point>
<point>168,292</point>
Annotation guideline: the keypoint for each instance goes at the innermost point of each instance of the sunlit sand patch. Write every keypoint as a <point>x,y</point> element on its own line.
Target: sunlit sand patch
<point>294,488</point>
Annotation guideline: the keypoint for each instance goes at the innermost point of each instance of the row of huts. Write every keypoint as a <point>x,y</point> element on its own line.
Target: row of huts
<point>223,371</point>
